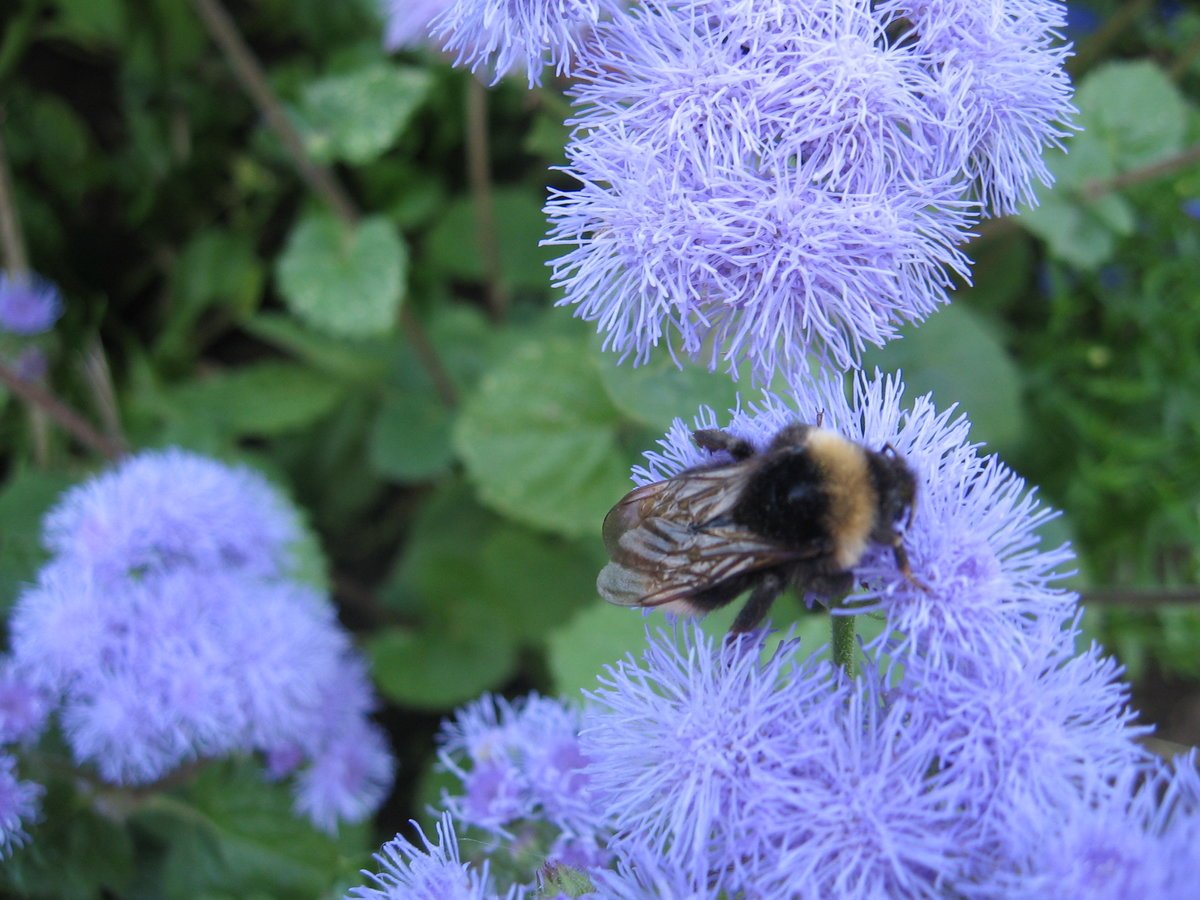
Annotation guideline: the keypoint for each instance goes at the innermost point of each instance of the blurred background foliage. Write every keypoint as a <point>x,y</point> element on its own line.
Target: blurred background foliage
<point>384,347</point>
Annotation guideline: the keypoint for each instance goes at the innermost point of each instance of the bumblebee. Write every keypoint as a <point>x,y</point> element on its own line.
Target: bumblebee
<point>801,514</point>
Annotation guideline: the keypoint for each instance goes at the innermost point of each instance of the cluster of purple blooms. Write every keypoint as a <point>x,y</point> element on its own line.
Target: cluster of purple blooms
<point>979,753</point>
<point>769,182</point>
<point>168,628</point>
<point>762,180</point>
<point>29,306</point>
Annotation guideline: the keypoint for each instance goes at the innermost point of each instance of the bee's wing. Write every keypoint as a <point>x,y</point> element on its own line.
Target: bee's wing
<point>674,538</point>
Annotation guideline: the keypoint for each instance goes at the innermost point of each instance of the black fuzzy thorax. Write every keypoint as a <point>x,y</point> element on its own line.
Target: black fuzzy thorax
<point>785,500</point>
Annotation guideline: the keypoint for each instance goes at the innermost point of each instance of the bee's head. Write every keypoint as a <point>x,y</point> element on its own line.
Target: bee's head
<point>897,486</point>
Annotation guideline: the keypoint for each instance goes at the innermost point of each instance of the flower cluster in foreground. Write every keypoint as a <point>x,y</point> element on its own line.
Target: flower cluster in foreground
<point>168,628</point>
<point>979,753</point>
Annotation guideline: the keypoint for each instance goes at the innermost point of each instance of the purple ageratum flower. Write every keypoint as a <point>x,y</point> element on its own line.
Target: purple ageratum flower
<point>641,874</point>
<point>769,778</point>
<point>1002,62</point>
<point>434,872</point>
<point>763,179</point>
<point>498,36</point>
<point>974,540</point>
<point>774,86</point>
<point>186,664</point>
<point>166,508</point>
<point>1023,739</point>
<point>519,760</point>
<point>348,780</point>
<point>351,768</point>
<point>407,21</point>
<point>1130,835</point>
<point>732,263</point>
<point>29,304</point>
<point>23,707</point>
<point>19,804</point>
<point>776,178</point>
<point>678,740</point>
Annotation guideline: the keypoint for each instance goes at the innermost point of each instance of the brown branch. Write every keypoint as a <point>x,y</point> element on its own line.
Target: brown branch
<point>104,395</point>
<point>1097,188</point>
<point>40,397</point>
<point>428,357</point>
<point>480,178</point>
<point>254,82</point>
<point>16,260</point>
<point>319,179</point>
<point>1142,598</point>
<point>1184,61</point>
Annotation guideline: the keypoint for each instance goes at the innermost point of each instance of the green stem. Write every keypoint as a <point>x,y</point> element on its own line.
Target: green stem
<point>480,178</point>
<point>253,79</point>
<point>842,643</point>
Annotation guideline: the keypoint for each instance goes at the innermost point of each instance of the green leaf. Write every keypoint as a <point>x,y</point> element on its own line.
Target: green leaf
<point>355,117</point>
<point>539,439</point>
<point>537,581</point>
<point>1071,231</point>
<point>1134,110</point>
<point>72,852</point>
<point>233,833</point>
<point>560,880</point>
<point>410,438</point>
<point>1131,116</point>
<point>595,637</point>
<point>432,670</point>
<point>262,399</point>
<point>94,23</point>
<point>362,361</point>
<point>656,393</point>
<point>957,356</point>
<point>345,281</point>
<point>58,139</point>
<point>216,267</point>
<point>453,245</point>
<point>462,558</point>
<point>24,501</point>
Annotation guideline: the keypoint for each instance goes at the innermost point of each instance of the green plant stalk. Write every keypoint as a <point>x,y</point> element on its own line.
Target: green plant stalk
<point>842,642</point>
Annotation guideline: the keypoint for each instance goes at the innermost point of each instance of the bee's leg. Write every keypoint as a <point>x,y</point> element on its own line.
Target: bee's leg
<point>902,564</point>
<point>758,604</point>
<point>714,439</point>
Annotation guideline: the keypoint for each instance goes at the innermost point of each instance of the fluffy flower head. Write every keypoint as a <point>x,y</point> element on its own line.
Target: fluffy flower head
<point>407,21</point>
<point>19,803</point>
<point>165,630</point>
<point>760,181</point>
<point>163,509</point>
<point>519,760</point>
<point>432,872</point>
<point>498,36</point>
<point>29,304</point>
